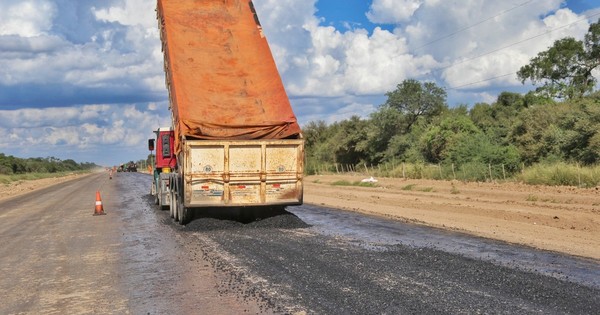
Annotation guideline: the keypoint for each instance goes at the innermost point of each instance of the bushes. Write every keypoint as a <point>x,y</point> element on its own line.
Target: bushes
<point>561,174</point>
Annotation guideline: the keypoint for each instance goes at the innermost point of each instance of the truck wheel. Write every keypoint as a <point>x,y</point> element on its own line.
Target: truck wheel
<point>184,212</point>
<point>174,204</point>
<point>154,193</point>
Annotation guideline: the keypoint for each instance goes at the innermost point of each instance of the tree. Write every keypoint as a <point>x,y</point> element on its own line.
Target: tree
<point>496,120</point>
<point>415,99</point>
<point>317,146</point>
<point>565,69</point>
<point>439,139</point>
<point>343,143</point>
<point>384,124</point>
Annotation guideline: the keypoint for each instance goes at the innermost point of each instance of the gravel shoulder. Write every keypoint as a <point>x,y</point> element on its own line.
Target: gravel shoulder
<point>561,219</point>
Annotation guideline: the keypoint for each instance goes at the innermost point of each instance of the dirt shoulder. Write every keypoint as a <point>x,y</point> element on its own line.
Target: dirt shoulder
<point>25,186</point>
<point>562,219</point>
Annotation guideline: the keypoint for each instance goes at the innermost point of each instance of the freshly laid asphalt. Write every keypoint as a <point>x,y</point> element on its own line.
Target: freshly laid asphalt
<point>297,268</point>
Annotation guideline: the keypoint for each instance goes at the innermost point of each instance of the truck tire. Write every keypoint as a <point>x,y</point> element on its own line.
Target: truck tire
<point>184,212</point>
<point>173,195</point>
<point>154,193</point>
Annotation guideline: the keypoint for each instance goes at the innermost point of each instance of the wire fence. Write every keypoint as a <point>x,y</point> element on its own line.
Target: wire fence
<point>559,174</point>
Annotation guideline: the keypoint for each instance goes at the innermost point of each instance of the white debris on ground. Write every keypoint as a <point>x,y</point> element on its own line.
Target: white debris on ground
<point>369,180</point>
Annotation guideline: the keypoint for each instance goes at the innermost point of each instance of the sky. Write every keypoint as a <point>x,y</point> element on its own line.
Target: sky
<point>84,80</point>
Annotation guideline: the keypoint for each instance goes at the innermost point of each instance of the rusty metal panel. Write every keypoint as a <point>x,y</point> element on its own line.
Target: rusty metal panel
<point>245,159</point>
<point>221,76</point>
<point>243,172</point>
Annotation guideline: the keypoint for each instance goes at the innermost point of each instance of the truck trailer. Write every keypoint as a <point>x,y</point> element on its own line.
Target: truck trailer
<point>234,140</point>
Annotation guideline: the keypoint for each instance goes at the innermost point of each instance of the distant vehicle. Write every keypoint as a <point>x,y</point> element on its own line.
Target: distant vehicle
<point>234,139</point>
<point>132,167</point>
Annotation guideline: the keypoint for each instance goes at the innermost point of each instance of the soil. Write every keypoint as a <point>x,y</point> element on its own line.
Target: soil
<point>562,219</point>
<point>24,186</point>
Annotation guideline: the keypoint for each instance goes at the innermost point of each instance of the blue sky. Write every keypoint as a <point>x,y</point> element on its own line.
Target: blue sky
<point>83,80</point>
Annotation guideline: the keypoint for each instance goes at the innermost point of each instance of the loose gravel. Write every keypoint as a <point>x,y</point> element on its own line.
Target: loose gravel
<point>292,268</point>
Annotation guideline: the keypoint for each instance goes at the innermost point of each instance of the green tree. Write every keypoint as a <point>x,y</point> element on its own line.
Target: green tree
<point>347,135</point>
<point>569,131</point>
<point>565,69</point>
<point>317,135</point>
<point>581,128</point>
<point>383,125</point>
<point>439,139</point>
<point>496,120</point>
<point>415,100</point>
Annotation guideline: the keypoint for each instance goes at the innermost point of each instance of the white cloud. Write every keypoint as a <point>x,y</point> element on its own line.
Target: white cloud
<point>62,131</point>
<point>111,57</point>
<point>476,41</point>
<point>26,18</point>
<point>324,61</point>
<point>392,11</point>
<point>129,12</point>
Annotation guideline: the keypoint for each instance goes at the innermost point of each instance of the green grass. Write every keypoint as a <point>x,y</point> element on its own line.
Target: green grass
<point>426,189</point>
<point>559,174</point>
<point>357,183</point>
<point>409,187</point>
<point>533,198</point>
<point>454,190</point>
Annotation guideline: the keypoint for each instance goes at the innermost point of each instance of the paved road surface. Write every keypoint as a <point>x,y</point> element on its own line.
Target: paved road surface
<point>56,258</point>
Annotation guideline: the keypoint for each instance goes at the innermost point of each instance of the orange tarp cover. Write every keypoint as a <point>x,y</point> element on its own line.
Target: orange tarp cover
<point>221,75</point>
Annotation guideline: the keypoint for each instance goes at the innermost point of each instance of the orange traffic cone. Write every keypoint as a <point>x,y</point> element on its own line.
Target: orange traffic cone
<point>99,209</point>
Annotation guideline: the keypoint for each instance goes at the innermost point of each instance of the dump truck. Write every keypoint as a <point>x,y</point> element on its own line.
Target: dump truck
<point>236,140</point>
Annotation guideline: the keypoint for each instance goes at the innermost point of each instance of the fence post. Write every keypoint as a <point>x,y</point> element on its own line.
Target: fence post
<point>336,169</point>
<point>440,168</point>
<point>453,173</point>
<point>503,172</point>
<point>579,175</point>
<point>490,168</point>
<point>403,173</point>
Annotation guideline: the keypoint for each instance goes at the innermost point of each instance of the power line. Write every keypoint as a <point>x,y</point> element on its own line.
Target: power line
<point>473,25</point>
<point>481,81</point>
<point>516,43</point>
<point>496,50</point>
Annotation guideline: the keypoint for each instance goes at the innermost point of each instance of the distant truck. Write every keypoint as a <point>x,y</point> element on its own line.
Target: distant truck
<point>132,167</point>
<point>234,139</point>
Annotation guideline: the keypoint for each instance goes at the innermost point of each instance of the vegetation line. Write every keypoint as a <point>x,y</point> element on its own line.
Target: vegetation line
<point>550,135</point>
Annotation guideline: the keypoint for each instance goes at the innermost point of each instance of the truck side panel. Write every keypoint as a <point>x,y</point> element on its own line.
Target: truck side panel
<point>243,173</point>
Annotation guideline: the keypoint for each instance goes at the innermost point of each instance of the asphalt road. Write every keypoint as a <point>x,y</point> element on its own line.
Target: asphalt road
<point>57,258</point>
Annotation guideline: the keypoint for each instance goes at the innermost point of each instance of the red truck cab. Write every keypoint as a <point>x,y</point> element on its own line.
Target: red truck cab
<point>165,153</point>
<point>164,163</point>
